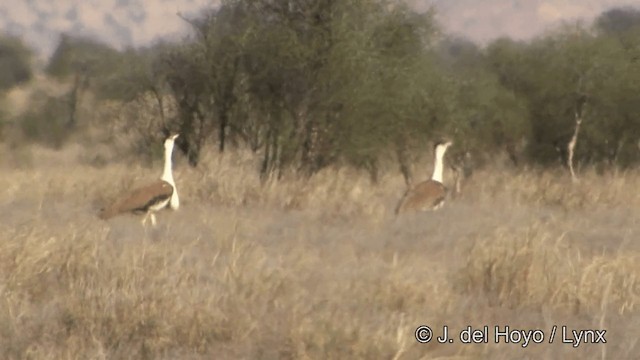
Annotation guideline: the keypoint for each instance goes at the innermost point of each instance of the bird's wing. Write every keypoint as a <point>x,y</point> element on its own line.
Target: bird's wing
<point>139,199</point>
<point>425,194</point>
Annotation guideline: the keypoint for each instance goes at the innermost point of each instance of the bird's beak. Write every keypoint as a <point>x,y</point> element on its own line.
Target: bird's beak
<point>174,136</point>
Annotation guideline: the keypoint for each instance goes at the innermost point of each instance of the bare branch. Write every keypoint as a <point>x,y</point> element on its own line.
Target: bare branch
<point>572,145</point>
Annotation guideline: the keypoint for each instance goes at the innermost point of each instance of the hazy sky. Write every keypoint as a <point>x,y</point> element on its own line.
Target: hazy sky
<point>138,22</point>
<point>483,20</point>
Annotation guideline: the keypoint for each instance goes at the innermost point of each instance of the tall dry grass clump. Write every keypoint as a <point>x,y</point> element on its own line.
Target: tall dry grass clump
<point>554,188</point>
<point>86,290</point>
<point>534,268</point>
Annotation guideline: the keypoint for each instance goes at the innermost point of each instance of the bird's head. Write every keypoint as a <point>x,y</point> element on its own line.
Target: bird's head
<point>442,146</point>
<point>170,140</point>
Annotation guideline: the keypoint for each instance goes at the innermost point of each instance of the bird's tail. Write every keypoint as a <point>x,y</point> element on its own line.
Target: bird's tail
<point>108,212</point>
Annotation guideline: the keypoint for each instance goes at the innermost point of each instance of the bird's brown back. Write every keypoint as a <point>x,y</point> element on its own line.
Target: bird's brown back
<point>139,199</point>
<point>425,195</point>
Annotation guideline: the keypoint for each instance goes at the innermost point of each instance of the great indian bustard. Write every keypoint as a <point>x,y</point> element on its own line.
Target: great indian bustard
<point>430,194</point>
<point>151,198</point>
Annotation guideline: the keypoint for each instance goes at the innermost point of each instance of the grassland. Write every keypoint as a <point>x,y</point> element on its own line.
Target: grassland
<point>309,269</point>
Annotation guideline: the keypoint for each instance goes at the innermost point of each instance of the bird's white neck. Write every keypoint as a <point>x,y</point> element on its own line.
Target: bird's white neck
<point>167,173</point>
<point>438,168</point>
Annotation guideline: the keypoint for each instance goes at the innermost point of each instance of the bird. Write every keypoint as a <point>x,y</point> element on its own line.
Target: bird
<point>152,197</point>
<point>429,194</point>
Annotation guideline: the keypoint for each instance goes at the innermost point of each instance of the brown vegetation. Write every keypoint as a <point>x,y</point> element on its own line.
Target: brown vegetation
<point>309,269</point>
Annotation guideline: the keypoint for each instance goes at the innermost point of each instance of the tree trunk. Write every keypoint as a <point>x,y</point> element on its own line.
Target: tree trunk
<point>224,119</point>
<point>74,99</point>
<point>405,166</point>
<point>572,144</point>
<point>160,102</point>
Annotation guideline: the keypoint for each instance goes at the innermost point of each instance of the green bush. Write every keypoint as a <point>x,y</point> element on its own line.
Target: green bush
<point>48,123</point>
<point>15,62</point>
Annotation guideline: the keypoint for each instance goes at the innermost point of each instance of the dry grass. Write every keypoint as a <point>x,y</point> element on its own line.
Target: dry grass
<point>316,269</point>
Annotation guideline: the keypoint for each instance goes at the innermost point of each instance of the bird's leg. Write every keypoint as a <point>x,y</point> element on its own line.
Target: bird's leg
<point>153,219</point>
<point>144,219</point>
